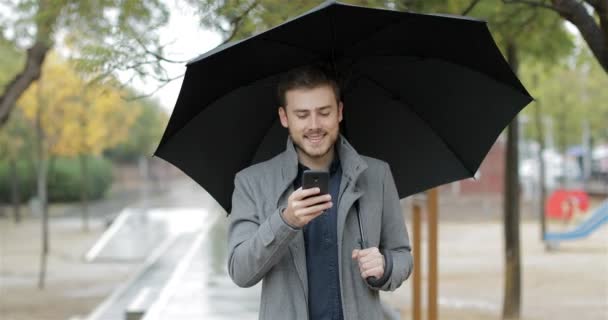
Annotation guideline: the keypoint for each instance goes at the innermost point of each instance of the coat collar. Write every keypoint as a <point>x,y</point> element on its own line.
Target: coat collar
<point>351,162</point>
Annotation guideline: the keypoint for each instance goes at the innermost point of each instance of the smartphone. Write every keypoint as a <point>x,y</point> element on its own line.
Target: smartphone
<point>318,179</point>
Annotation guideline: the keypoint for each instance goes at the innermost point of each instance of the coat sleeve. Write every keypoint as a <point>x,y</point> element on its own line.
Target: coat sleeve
<point>254,245</point>
<point>394,238</point>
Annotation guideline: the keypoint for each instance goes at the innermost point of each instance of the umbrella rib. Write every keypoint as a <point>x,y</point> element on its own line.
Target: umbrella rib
<point>408,105</point>
<point>402,15</point>
<point>469,68</point>
<point>373,33</point>
<point>401,19</point>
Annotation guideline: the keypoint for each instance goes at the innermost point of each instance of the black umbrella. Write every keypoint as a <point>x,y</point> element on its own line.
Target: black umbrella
<point>429,94</point>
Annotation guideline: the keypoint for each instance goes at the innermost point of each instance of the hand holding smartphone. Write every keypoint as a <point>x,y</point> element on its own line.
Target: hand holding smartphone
<point>306,203</point>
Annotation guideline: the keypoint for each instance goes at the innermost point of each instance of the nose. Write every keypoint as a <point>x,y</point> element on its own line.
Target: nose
<point>314,122</point>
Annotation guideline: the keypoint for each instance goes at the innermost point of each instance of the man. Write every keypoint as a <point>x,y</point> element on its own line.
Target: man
<point>305,246</point>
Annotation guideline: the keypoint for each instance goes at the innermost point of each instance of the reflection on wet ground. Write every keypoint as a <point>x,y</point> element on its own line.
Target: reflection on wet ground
<point>184,275</point>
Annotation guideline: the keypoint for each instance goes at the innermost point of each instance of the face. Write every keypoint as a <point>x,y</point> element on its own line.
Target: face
<point>313,118</point>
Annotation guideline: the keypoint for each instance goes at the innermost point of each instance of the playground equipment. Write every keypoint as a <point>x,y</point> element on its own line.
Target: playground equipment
<point>563,204</point>
<point>596,219</point>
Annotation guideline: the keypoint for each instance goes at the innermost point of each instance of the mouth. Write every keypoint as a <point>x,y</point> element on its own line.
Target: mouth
<point>315,139</point>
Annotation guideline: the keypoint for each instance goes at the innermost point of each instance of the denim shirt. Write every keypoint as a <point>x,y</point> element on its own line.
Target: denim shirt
<point>320,239</point>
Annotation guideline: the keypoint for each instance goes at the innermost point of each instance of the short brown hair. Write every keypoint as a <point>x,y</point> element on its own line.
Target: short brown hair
<point>307,77</point>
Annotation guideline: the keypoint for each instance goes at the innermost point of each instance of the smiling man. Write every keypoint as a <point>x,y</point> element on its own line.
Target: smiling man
<point>304,245</point>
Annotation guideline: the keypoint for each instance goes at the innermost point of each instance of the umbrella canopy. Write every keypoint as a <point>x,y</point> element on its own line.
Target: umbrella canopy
<point>429,94</point>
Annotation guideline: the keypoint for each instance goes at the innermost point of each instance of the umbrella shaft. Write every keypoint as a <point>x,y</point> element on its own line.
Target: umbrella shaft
<point>362,241</point>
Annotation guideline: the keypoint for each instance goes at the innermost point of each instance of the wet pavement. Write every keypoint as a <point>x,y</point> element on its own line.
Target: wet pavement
<point>189,280</point>
<point>203,290</point>
<point>185,274</point>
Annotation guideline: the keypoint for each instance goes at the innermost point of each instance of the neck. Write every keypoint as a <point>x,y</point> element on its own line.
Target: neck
<point>317,163</point>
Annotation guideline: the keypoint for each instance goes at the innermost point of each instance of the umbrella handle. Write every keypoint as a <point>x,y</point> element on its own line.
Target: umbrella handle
<point>388,266</point>
<point>375,282</point>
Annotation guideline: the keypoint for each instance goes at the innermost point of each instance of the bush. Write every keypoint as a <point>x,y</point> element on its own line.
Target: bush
<point>64,179</point>
<point>27,181</point>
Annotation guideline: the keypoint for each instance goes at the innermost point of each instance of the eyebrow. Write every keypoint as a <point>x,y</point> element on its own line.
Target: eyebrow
<point>306,110</point>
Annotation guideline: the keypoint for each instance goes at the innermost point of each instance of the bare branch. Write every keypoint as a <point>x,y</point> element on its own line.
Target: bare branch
<point>126,83</point>
<point>156,55</point>
<point>528,20</point>
<point>146,95</point>
<point>509,18</point>
<point>470,7</point>
<point>236,22</point>
<point>533,3</point>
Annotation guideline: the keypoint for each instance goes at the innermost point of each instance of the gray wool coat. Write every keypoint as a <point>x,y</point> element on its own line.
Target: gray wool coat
<point>263,247</point>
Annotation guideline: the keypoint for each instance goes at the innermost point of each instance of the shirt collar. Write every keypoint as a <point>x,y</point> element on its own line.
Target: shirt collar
<point>333,167</point>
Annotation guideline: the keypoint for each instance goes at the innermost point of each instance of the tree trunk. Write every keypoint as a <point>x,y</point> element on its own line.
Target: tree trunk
<point>540,130</point>
<point>595,35</point>
<point>42,173</point>
<point>512,294</point>
<point>84,192</point>
<point>561,145</point>
<point>30,73</point>
<point>46,15</point>
<point>42,195</point>
<point>15,192</point>
<point>49,171</point>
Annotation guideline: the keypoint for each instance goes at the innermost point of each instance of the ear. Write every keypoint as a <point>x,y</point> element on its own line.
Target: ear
<point>340,107</point>
<point>283,117</point>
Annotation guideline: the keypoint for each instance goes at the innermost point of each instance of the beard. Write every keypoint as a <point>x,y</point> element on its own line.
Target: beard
<point>315,151</point>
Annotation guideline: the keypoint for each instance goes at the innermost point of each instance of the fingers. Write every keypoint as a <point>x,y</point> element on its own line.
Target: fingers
<point>303,206</point>
<point>303,193</point>
<point>312,201</point>
<point>313,210</point>
<point>305,219</point>
<point>371,262</point>
<point>311,205</point>
<point>377,272</point>
<point>369,254</point>
<point>377,262</point>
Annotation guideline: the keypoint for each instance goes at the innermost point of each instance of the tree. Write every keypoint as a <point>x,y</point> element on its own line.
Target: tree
<point>11,136</point>
<point>69,118</point>
<point>584,101</point>
<point>589,16</point>
<point>14,138</point>
<point>106,36</point>
<point>144,135</point>
<point>99,120</point>
<point>523,33</point>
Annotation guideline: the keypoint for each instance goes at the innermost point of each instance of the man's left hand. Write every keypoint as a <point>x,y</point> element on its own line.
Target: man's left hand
<point>371,262</point>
